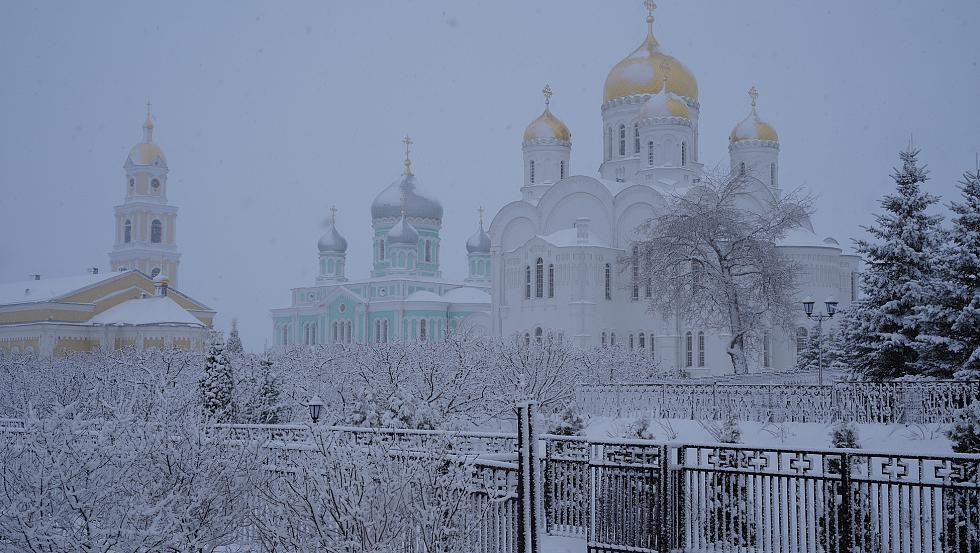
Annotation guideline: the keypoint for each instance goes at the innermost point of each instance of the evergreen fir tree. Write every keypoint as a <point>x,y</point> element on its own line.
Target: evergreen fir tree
<point>833,522</point>
<point>218,382</point>
<point>234,345</point>
<point>820,346</point>
<point>949,344</point>
<point>900,265</point>
<point>268,396</point>
<point>961,532</point>
<point>570,422</point>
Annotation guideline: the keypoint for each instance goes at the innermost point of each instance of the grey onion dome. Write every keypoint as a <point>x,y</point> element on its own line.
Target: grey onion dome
<point>403,233</point>
<point>479,242</point>
<point>405,193</point>
<point>332,241</point>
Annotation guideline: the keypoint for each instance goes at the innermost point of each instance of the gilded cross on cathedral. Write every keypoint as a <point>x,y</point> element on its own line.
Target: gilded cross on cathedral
<point>665,71</point>
<point>547,94</point>
<point>753,93</point>
<point>333,213</point>
<point>481,216</point>
<point>407,141</point>
<point>148,108</point>
<point>650,5</point>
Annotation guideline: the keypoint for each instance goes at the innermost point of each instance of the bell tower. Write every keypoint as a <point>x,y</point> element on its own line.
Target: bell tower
<point>146,225</point>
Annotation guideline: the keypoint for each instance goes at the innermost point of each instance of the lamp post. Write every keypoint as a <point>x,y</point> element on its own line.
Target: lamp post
<point>831,306</point>
<point>316,407</point>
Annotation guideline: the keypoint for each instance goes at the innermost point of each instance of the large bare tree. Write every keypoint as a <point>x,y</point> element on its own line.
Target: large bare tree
<point>711,257</point>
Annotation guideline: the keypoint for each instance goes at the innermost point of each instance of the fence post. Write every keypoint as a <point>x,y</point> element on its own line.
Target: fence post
<point>845,510</point>
<point>664,500</point>
<point>527,536</point>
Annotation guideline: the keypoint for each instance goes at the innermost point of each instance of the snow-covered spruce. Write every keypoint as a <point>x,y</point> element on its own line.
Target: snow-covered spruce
<point>218,383</point>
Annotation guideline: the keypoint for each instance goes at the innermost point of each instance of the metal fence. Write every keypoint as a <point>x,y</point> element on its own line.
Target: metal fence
<point>861,402</point>
<point>640,496</point>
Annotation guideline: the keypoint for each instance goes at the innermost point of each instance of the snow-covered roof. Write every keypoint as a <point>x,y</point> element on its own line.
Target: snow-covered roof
<point>569,237</point>
<point>46,289</point>
<point>425,295</point>
<point>467,294</point>
<point>153,310</point>
<point>801,237</point>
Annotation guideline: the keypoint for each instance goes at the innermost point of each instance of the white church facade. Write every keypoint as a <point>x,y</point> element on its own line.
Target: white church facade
<point>555,250</point>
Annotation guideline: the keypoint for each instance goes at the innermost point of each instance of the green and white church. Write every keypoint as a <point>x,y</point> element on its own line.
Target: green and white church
<point>405,297</point>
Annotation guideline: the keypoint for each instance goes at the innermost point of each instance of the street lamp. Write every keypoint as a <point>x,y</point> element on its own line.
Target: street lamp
<point>316,407</point>
<point>831,306</point>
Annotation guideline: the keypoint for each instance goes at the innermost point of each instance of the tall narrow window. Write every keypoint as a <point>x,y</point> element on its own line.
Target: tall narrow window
<point>532,171</point>
<point>539,278</point>
<point>527,338</point>
<point>127,231</point>
<point>612,339</point>
<point>285,335</point>
<point>538,333</point>
<point>683,153</point>
<point>648,288</point>
<point>622,140</point>
<point>381,250</point>
<point>551,280</point>
<point>609,142</point>
<point>428,251</point>
<point>653,347</point>
<point>631,341</point>
<point>772,175</point>
<point>334,331</point>
<point>700,349</point>
<point>650,153</point>
<point>561,169</point>
<point>156,231</point>
<point>636,138</point>
<point>741,169</point>
<point>608,282</point>
<point>642,343</point>
<point>688,350</point>
<point>765,349</point>
<point>604,339</point>
<point>377,331</point>
<point>384,330</point>
<point>636,273</point>
<point>527,282</point>
<point>423,329</point>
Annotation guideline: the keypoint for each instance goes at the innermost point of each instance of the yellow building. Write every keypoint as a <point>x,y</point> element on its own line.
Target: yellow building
<point>99,310</point>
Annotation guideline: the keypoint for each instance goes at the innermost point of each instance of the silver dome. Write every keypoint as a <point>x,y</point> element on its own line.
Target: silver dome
<point>403,233</point>
<point>418,204</point>
<point>479,242</point>
<point>332,241</point>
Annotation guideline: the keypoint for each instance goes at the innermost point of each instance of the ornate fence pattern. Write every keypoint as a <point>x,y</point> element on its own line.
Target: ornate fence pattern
<point>639,496</point>
<point>863,402</point>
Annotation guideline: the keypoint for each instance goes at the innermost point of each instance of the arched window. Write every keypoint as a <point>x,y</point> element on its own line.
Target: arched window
<point>156,231</point>
<point>801,339</point>
<point>608,282</point>
<point>381,250</point>
<point>377,330</point>
<point>631,341</point>
<point>538,333</point>
<point>285,335</point>
<point>428,251</point>
<point>539,278</point>
<point>700,349</point>
<point>423,330</point>
<point>527,282</point>
<point>609,142</point>
<point>561,169</point>
<point>155,272</point>
<point>765,349</point>
<point>532,171</point>
<point>741,169</point>
<point>635,261</point>
<point>551,280</point>
<point>636,138</point>
<point>128,231</point>
<point>650,153</point>
<point>642,342</point>
<point>527,338</point>
<point>688,350</point>
<point>155,183</point>
<point>603,339</point>
<point>683,153</point>
<point>772,175</point>
<point>612,339</point>
<point>622,140</point>
<point>384,330</point>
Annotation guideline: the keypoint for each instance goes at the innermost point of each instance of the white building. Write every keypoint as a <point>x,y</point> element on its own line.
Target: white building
<point>554,251</point>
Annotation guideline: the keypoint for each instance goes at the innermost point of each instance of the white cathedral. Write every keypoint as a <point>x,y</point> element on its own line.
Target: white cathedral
<point>554,251</point>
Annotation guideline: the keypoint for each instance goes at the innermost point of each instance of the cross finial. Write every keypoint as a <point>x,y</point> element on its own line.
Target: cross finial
<point>481,216</point>
<point>547,94</point>
<point>665,70</point>
<point>148,108</point>
<point>408,150</point>
<point>753,93</point>
<point>650,5</point>
<point>333,214</point>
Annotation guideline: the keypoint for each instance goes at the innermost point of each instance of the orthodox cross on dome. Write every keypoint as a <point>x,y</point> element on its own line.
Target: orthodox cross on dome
<point>333,214</point>
<point>754,94</point>
<point>148,108</point>
<point>481,216</point>
<point>547,94</point>
<point>665,70</point>
<point>650,5</point>
<point>408,150</point>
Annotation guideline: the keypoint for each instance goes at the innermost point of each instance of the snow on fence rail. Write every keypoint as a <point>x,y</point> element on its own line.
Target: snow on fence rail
<point>862,402</point>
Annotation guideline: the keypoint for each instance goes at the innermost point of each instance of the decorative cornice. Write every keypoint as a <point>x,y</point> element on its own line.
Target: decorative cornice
<point>747,143</point>
<point>650,121</point>
<point>547,142</point>
<point>641,98</point>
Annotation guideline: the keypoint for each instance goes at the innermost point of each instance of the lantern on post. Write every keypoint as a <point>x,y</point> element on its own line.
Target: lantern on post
<point>316,408</point>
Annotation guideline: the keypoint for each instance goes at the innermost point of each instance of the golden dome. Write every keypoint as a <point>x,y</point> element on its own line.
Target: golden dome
<point>547,126</point>
<point>752,127</point>
<point>640,72</point>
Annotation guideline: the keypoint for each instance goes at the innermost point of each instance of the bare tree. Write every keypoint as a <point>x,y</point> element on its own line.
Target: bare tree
<point>711,257</point>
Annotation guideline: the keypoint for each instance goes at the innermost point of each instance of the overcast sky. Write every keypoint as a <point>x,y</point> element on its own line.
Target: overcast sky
<point>270,112</point>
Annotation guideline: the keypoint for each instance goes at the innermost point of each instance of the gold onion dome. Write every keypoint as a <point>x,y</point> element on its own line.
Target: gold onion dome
<point>547,126</point>
<point>640,72</point>
<point>752,127</point>
<point>146,152</point>
<point>664,103</point>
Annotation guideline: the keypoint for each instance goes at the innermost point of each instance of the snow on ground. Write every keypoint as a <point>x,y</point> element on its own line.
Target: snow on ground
<point>560,544</point>
<point>925,438</point>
